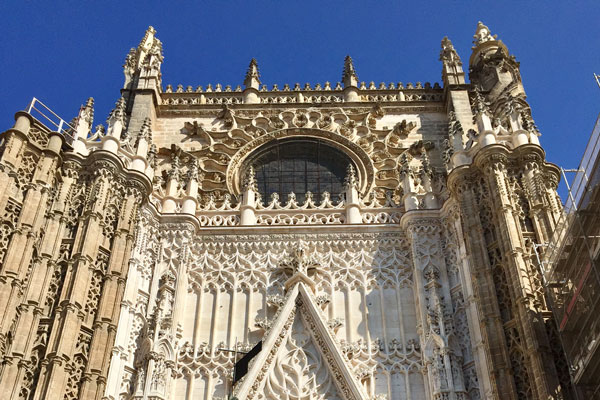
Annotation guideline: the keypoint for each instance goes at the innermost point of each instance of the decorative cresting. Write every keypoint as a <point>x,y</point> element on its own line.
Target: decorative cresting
<point>359,132</point>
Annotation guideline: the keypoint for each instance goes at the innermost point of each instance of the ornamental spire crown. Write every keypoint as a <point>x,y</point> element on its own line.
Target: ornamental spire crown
<point>349,77</point>
<point>118,112</point>
<point>252,79</point>
<point>448,54</point>
<point>482,35</point>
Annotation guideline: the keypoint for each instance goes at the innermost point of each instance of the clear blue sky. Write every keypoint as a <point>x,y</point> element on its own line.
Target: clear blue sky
<point>67,52</point>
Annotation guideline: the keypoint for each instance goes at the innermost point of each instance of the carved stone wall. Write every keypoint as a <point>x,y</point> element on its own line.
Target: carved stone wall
<point>138,260</point>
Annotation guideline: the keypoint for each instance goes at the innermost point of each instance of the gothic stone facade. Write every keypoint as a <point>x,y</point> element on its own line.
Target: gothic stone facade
<point>136,257</point>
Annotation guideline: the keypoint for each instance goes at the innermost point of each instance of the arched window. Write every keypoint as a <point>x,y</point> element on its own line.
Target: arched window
<point>299,166</point>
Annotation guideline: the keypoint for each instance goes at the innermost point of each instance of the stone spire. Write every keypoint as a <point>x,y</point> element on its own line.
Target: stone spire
<point>448,54</point>
<point>252,79</point>
<point>350,181</point>
<point>452,71</point>
<point>349,77</point>
<point>146,131</point>
<point>482,35</point>
<point>249,182</point>
<point>144,61</point>
<point>86,118</point>
<point>117,113</point>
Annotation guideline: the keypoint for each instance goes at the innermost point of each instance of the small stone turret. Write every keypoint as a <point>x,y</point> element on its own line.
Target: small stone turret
<point>452,71</point>
<point>350,80</point>
<point>144,139</point>
<point>142,65</point>
<point>111,141</point>
<point>349,77</point>
<point>352,197</point>
<point>490,66</point>
<point>86,119</point>
<point>190,201</point>
<point>252,83</point>
<point>169,204</point>
<point>252,79</point>
<point>249,193</point>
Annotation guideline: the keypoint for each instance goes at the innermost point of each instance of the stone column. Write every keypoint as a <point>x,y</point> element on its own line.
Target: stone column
<point>249,192</point>
<point>169,203</point>
<point>112,141</point>
<point>462,184</point>
<point>494,165</point>
<point>434,307</point>
<point>20,249</point>
<point>15,140</point>
<point>107,316</point>
<point>352,197</point>
<point>411,201</point>
<point>30,310</point>
<point>190,200</point>
<point>66,333</point>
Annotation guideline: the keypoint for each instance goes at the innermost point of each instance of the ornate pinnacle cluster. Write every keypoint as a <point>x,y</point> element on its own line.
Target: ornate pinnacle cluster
<point>193,170</point>
<point>88,111</point>
<point>426,164</point>
<point>351,180</point>
<point>349,77</point>
<point>454,126</point>
<point>404,164</point>
<point>118,112</point>
<point>252,79</point>
<point>480,105</point>
<point>174,172</point>
<point>482,35</point>
<point>250,180</point>
<point>146,130</point>
<point>448,54</point>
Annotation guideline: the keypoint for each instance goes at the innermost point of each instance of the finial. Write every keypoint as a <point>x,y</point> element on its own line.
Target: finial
<point>425,163</point>
<point>118,112</point>
<point>480,105</point>
<point>193,170</point>
<point>482,35</point>
<point>351,181</point>
<point>174,172</point>
<point>146,130</point>
<point>448,54</point>
<point>250,180</point>
<point>88,111</point>
<point>252,79</point>
<point>349,77</point>
<point>152,152</point>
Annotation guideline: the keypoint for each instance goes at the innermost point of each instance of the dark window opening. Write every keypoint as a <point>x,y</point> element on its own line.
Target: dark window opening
<point>300,166</point>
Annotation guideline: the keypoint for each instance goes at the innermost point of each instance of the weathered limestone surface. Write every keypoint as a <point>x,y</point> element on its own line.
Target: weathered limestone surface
<point>138,260</point>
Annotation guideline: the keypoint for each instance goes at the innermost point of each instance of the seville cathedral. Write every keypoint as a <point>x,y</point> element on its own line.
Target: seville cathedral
<point>342,240</point>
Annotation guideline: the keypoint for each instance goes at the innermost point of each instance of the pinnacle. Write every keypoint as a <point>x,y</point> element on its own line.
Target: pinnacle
<point>252,78</point>
<point>119,110</point>
<point>448,54</point>
<point>482,35</point>
<point>349,77</point>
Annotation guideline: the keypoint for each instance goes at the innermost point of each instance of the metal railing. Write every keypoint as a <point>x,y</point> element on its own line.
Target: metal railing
<point>46,116</point>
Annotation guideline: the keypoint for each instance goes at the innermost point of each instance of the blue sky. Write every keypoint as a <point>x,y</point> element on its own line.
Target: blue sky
<point>63,53</point>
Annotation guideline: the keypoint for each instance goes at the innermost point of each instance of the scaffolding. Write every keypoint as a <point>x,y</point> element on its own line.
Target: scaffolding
<point>571,267</point>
